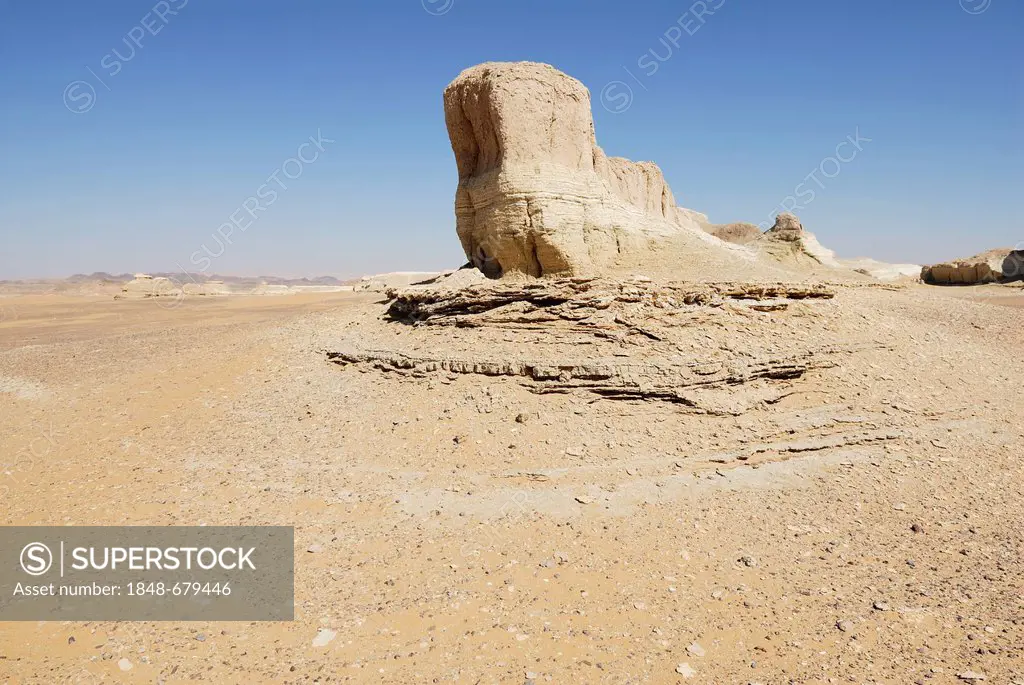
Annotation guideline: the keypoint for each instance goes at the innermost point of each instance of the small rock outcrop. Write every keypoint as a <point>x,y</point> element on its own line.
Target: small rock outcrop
<point>740,233</point>
<point>994,266</point>
<point>605,314</point>
<point>787,240</point>
<point>787,227</point>
<point>144,285</point>
<point>536,194</point>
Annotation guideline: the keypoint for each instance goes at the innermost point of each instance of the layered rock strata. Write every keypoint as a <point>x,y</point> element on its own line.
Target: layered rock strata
<point>536,194</point>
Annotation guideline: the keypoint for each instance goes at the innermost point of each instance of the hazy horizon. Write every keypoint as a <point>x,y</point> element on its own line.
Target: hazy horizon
<point>133,131</point>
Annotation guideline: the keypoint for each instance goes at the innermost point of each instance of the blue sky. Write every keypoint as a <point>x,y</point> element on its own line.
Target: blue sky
<point>131,160</point>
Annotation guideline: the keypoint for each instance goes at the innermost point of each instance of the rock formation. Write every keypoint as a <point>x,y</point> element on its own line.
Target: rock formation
<point>575,300</point>
<point>787,240</point>
<point>787,227</point>
<point>536,194</point>
<point>616,338</point>
<point>994,266</point>
<point>628,381</point>
<point>740,233</point>
<point>144,285</point>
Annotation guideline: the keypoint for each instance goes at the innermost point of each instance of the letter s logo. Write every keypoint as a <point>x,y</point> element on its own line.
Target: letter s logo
<point>36,559</point>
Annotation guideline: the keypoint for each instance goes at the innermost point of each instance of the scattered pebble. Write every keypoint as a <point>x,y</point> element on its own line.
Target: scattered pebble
<point>323,637</point>
<point>685,671</point>
<point>124,665</point>
<point>696,650</point>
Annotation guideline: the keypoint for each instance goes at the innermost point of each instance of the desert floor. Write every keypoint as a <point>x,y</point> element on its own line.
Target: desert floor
<point>870,532</point>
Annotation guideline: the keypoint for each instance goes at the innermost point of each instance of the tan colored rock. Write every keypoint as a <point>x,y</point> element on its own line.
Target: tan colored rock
<point>787,240</point>
<point>787,227</point>
<point>740,233</point>
<point>536,194</point>
<point>993,266</point>
<point>145,285</point>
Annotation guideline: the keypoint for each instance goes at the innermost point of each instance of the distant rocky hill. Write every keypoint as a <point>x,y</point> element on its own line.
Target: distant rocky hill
<point>102,276</point>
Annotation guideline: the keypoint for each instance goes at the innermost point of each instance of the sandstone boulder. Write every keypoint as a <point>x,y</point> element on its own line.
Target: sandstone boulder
<point>993,266</point>
<point>536,194</point>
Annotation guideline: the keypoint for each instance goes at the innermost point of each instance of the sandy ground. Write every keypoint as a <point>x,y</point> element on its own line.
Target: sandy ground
<point>868,532</point>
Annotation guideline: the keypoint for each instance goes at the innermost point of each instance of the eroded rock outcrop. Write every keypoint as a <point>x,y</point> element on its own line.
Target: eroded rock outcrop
<point>536,194</point>
<point>786,227</point>
<point>787,240</point>
<point>144,285</point>
<point>619,339</point>
<point>672,382</point>
<point>593,303</point>
<point>994,266</point>
<point>740,233</point>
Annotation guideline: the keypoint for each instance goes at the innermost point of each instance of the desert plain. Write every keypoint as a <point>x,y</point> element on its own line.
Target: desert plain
<point>462,528</point>
<point>621,445</point>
